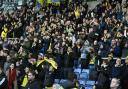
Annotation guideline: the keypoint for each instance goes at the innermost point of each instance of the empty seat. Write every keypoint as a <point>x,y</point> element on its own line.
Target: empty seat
<point>91,66</point>
<point>85,71</point>
<point>57,80</point>
<point>79,65</point>
<point>82,82</point>
<point>89,87</point>
<point>89,82</point>
<point>84,76</point>
<point>62,81</point>
<point>77,70</point>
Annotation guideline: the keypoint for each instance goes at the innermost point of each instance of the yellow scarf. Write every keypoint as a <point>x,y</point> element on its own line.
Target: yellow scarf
<point>25,81</point>
<point>52,62</point>
<point>39,62</point>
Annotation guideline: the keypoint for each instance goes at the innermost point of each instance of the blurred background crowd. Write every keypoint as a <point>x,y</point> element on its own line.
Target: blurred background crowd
<point>41,44</point>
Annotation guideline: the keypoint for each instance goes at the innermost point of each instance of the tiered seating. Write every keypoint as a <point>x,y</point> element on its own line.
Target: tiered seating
<point>77,70</point>
<point>82,83</point>
<point>82,77</point>
<point>90,82</point>
<point>85,71</point>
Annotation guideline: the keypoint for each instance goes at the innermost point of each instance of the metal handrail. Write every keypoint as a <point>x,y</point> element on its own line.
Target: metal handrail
<point>123,58</point>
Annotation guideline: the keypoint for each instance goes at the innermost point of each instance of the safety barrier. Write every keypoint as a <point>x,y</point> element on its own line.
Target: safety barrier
<point>123,58</point>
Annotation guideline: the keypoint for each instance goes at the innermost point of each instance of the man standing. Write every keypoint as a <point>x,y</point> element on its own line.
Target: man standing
<point>125,74</point>
<point>3,79</point>
<point>32,82</point>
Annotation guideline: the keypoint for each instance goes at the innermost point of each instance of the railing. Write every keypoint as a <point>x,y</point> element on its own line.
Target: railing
<point>123,58</point>
<point>13,38</point>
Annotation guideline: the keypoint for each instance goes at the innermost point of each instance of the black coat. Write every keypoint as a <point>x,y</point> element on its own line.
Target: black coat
<point>33,85</point>
<point>125,77</point>
<point>110,66</point>
<point>117,72</point>
<point>103,78</point>
<point>49,79</point>
<point>125,72</point>
<point>41,70</point>
<point>68,60</point>
<point>68,84</point>
<point>4,79</point>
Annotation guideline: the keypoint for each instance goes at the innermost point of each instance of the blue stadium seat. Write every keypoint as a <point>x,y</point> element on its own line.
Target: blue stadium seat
<point>62,81</point>
<point>79,66</point>
<point>77,70</point>
<point>85,71</point>
<point>91,66</point>
<point>89,87</point>
<point>84,76</point>
<point>89,82</point>
<point>82,82</point>
<point>57,80</point>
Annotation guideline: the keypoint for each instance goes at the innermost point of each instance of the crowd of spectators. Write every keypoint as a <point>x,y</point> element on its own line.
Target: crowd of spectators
<point>47,43</point>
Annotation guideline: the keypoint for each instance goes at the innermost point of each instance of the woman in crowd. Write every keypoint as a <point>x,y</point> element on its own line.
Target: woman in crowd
<point>12,77</point>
